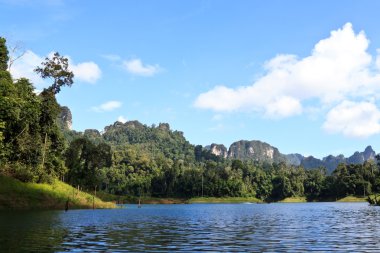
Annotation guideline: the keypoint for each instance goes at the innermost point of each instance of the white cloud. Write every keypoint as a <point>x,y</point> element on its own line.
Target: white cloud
<point>122,119</point>
<point>283,107</point>
<point>24,67</point>
<point>353,119</point>
<point>338,67</point>
<point>107,106</point>
<point>86,72</point>
<point>136,67</point>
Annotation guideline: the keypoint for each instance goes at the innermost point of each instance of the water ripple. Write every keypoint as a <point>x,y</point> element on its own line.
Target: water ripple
<point>318,227</point>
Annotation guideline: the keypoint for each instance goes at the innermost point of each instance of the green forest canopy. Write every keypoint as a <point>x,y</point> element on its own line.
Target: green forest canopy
<point>134,159</point>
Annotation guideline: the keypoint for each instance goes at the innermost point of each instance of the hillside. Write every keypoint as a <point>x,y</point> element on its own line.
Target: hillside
<point>160,139</point>
<point>18,195</point>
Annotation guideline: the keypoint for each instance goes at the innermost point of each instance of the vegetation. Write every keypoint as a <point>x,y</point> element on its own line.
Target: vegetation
<point>224,200</point>
<point>294,200</point>
<point>352,199</point>
<point>18,195</point>
<point>143,162</point>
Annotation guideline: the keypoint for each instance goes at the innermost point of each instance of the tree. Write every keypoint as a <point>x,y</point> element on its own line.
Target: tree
<point>314,183</point>
<point>86,162</point>
<point>198,153</point>
<point>4,58</point>
<point>56,68</point>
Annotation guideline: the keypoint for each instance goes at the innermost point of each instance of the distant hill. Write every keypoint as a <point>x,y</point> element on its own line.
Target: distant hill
<point>263,152</point>
<point>255,150</point>
<point>331,162</point>
<point>218,150</point>
<point>172,144</point>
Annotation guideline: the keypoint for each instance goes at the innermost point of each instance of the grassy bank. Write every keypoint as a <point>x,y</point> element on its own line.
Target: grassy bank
<point>294,200</point>
<point>224,200</point>
<point>18,195</point>
<point>352,199</point>
<point>151,200</point>
<point>134,200</point>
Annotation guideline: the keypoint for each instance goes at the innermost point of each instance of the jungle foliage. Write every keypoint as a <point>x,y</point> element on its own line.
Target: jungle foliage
<point>134,159</point>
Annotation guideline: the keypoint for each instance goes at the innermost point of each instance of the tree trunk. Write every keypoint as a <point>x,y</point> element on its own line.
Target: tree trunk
<point>44,151</point>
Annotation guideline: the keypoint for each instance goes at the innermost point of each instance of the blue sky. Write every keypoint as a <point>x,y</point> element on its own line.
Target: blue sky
<point>303,76</point>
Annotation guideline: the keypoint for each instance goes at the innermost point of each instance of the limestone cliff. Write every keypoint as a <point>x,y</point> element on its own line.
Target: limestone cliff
<point>218,150</point>
<point>255,150</point>
<point>65,118</point>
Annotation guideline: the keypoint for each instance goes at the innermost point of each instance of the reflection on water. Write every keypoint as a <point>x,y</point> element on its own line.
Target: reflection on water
<point>199,227</point>
<point>32,231</point>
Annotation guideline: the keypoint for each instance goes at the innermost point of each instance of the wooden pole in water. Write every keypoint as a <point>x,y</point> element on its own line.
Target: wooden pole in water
<point>139,206</point>
<point>93,198</point>
<point>202,184</point>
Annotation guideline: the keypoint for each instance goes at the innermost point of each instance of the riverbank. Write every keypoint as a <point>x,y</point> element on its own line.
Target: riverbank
<point>353,199</point>
<point>18,195</point>
<point>294,200</point>
<point>212,200</point>
<point>224,200</point>
<point>196,200</point>
<point>126,199</point>
<point>304,200</point>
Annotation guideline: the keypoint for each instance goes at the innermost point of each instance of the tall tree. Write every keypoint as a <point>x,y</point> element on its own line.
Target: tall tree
<point>56,68</point>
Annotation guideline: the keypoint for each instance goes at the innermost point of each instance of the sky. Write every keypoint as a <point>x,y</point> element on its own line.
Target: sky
<point>303,76</point>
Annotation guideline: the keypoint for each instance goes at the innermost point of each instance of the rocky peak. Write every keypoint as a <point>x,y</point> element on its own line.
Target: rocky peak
<point>369,153</point>
<point>218,150</point>
<point>65,118</point>
<point>311,162</point>
<point>254,150</point>
<point>133,124</point>
<point>294,159</point>
<point>164,126</point>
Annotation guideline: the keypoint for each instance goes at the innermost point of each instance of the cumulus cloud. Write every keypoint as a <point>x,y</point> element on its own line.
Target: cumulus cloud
<point>24,67</point>
<point>136,67</point>
<point>283,107</point>
<point>88,72</point>
<point>107,106</point>
<point>353,119</point>
<point>122,119</point>
<point>339,68</point>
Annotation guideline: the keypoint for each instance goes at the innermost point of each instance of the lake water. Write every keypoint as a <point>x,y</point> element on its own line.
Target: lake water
<point>304,227</point>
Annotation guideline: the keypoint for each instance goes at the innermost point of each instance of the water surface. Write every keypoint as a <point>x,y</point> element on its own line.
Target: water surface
<point>302,227</point>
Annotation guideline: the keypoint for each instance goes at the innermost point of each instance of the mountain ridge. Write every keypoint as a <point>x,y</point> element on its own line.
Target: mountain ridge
<point>134,132</point>
<point>261,151</point>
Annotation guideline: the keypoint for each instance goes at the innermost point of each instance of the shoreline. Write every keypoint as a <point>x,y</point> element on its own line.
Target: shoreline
<point>225,200</point>
<point>16,195</point>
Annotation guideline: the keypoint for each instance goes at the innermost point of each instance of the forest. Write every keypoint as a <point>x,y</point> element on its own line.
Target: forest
<point>138,160</point>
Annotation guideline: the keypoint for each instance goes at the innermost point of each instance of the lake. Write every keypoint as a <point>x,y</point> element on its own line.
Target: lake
<point>301,227</point>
